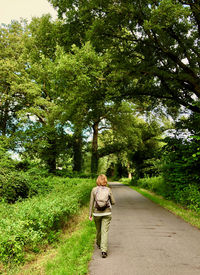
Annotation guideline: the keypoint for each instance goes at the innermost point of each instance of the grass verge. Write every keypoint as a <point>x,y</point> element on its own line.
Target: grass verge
<point>69,255</point>
<point>189,216</point>
<point>75,252</point>
<point>28,225</point>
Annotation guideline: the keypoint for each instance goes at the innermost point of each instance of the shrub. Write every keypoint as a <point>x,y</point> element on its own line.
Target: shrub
<point>154,184</point>
<point>181,160</point>
<point>13,186</point>
<point>36,221</point>
<point>125,180</point>
<point>20,185</point>
<point>189,196</point>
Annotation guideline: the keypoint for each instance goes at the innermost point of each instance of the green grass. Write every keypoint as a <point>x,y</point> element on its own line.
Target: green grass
<point>75,252</point>
<point>189,216</point>
<point>28,226</point>
<point>69,255</point>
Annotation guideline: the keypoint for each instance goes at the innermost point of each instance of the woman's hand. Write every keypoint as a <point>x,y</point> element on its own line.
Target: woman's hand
<point>90,218</point>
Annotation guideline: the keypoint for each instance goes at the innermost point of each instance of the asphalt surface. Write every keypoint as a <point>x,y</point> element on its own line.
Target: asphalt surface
<point>145,239</point>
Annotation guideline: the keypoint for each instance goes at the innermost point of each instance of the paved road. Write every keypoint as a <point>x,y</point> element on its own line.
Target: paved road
<point>145,239</point>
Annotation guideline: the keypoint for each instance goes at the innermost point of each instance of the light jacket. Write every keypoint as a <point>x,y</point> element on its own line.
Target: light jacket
<point>93,210</point>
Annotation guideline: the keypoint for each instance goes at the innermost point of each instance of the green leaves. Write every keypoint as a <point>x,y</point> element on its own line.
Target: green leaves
<point>37,221</point>
<point>154,42</point>
<point>166,14</point>
<point>13,75</point>
<point>181,161</point>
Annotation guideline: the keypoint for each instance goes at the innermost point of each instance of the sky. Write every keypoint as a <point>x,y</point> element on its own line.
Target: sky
<point>26,9</point>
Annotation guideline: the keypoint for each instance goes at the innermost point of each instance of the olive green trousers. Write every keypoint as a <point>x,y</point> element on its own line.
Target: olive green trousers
<point>102,226</point>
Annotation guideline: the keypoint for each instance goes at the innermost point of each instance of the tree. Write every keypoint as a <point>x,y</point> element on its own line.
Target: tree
<point>83,89</point>
<point>41,117</point>
<point>26,96</point>
<point>155,44</point>
<point>133,140</point>
<point>84,81</point>
<point>44,35</point>
<point>14,80</point>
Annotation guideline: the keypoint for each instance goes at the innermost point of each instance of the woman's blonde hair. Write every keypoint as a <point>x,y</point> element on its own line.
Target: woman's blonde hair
<point>102,180</point>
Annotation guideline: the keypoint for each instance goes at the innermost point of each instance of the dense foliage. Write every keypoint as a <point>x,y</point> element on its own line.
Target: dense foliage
<point>179,178</point>
<point>155,44</point>
<point>26,225</point>
<point>181,171</point>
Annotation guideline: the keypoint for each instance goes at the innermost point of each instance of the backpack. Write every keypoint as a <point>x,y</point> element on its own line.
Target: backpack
<point>102,198</point>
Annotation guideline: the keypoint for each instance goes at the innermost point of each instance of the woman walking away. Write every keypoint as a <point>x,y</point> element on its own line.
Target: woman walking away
<point>101,200</point>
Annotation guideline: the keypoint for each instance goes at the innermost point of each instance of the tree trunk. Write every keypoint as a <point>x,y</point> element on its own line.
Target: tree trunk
<point>51,154</point>
<point>129,173</point>
<point>95,157</point>
<point>51,161</point>
<point>4,118</point>
<point>77,151</point>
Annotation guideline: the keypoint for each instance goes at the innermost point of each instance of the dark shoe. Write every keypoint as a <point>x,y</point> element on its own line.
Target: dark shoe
<point>104,254</point>
<point>98,246</point>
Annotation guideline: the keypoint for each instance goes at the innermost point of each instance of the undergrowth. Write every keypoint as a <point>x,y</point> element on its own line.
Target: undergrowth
<point>27,225</point>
